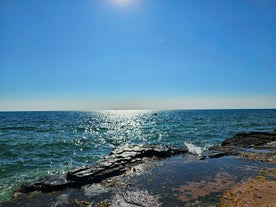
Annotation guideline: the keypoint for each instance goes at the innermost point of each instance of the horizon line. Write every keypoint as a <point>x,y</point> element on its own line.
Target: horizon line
<point>172,109</point>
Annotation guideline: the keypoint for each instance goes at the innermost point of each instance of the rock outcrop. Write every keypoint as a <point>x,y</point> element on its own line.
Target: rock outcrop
<point>118,162</point>
<point>251,139</point>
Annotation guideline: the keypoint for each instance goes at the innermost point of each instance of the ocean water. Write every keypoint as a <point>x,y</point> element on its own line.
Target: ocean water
<point>37,144</point>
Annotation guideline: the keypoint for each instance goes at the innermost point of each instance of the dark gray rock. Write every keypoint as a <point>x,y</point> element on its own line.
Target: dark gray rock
<point>251,139</point>
<point>48,184</point>
<point>241,143</point>
<point>112,165</point>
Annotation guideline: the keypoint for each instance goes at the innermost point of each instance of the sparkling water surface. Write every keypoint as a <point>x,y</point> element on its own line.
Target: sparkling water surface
<point>37,144</point>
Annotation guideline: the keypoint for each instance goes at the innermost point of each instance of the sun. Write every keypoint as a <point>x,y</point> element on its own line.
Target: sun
<point>123,2</point>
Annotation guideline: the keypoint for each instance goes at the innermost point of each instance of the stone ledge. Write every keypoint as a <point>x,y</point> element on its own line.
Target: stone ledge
<point>117,163</point>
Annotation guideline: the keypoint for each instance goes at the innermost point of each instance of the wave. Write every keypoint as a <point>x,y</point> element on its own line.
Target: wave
<point>193,149</point>
<point>26,128</point>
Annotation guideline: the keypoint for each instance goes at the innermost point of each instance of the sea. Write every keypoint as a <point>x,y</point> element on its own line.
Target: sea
<point>38,144</point>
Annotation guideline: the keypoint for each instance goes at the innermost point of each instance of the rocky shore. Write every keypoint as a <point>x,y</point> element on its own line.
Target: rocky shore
<point>115,164</point>
<point>154,175</point>
<point>252,145</point>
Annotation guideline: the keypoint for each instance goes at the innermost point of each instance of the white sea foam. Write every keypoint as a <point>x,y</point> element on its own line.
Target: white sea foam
<point>194,149</point>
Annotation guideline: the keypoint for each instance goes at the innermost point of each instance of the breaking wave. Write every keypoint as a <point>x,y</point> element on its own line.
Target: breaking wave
<point>193,149</point>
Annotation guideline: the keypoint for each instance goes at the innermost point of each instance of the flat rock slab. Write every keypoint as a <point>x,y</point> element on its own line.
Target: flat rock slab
<point>116,163</point>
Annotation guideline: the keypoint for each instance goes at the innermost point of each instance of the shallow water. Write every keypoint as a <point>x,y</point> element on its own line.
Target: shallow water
<point>36,144</point>
<point>185,179</point>
<point>176,181</point>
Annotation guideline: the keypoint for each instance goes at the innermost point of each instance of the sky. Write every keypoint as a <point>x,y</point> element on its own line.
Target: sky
<point>137,54</point>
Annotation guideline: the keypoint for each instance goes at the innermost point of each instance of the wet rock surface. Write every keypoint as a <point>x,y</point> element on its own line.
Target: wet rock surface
<point>260,146</point>
<point>112,165</point>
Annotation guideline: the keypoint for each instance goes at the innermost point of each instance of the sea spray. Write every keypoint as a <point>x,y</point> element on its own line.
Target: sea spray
<point>194,149</point>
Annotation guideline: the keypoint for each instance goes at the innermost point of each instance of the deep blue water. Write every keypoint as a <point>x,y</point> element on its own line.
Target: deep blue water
<point>36,144</point>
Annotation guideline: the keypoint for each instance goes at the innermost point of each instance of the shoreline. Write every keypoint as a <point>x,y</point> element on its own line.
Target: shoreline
<point>176,179</point>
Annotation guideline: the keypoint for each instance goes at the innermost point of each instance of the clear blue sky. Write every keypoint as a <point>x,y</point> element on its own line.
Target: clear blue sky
<point>128,54</point>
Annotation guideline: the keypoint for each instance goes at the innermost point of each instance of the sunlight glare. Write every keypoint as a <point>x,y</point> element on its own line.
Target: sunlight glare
<point>124,113</point>
<point>123,2</point>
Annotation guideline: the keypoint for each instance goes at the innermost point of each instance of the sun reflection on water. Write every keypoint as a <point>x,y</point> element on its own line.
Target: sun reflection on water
<point>123,126</point>
<point>101,131</point>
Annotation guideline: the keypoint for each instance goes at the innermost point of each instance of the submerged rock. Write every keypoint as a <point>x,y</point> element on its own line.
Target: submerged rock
<point>193,190</point>
<point>257,191</point>
<point>135,199</point>
<point>117,163</point>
